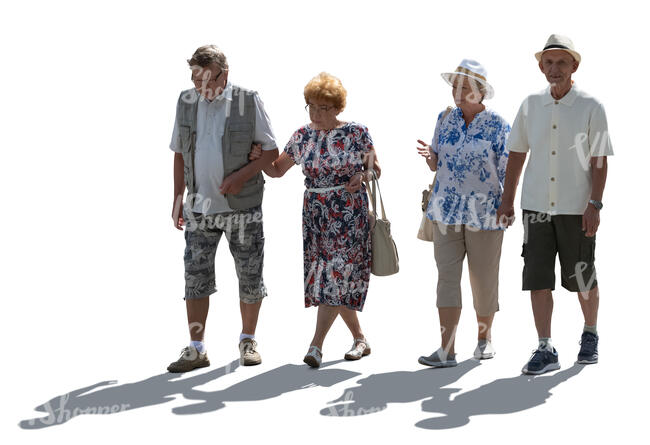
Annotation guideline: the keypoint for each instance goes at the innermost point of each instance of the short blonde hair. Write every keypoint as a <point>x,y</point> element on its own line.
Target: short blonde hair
<point>327,88</point>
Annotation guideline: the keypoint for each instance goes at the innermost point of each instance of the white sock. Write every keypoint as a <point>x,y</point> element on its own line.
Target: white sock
<point>243,336</point>
<point>198,345</point>
<point>545,342</point>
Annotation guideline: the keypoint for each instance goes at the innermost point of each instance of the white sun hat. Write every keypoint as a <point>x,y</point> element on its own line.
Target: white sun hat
<point>558,42</point>
<point>474,70</point>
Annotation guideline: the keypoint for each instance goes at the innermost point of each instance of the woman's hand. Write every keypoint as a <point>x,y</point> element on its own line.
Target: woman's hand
<point>256,152</point>
<point>428,154</point>
<point>354,184</point>
<point>424,151</point>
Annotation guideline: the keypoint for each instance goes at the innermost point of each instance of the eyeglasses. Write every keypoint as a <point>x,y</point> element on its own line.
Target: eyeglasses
<point>315,108</point>
<point>205,80</point>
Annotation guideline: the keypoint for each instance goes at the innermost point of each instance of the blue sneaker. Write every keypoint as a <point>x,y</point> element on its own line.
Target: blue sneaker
<point>588,348</point>
<point>542,361</point>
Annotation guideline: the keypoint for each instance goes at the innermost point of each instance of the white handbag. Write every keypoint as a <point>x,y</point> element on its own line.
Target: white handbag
<point>385,260</point>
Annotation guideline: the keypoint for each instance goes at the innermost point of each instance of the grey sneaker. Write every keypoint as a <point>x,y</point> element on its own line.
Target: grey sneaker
<point>248,356</point>
<point>190,359</point>
<point>439,359</point>
<point>484,350</point>
<point>314,357</point>
<point>360,348</point>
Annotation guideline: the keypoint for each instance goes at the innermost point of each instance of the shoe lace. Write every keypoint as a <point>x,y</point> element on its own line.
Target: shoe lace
<point>186,352</point>
<point>249,347</point>
<point>538,355</point>
<point>588,343</point>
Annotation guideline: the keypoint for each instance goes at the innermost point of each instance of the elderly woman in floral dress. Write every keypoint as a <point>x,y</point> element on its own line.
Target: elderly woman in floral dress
<point>334,156</point>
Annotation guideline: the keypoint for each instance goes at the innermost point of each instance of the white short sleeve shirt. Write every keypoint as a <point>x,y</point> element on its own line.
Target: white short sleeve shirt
<point>561,136</point>
<point>208,160</point>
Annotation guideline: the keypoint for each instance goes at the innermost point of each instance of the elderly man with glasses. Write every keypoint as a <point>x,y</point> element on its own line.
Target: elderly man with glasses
<point>215,127</point>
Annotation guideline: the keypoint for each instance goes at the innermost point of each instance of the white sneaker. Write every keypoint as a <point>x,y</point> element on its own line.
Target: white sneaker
<point>439,359</point>
<point>484,350</point>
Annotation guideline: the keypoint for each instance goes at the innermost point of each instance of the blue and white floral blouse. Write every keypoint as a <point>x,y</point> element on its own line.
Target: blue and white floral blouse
<point>471,169</point>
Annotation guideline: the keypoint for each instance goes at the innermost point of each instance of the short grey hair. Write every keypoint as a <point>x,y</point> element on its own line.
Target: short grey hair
<point>207,54</point>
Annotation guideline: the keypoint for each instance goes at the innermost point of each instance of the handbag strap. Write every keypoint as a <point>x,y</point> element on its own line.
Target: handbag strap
<point>447,111</point>
<point>372,190</point>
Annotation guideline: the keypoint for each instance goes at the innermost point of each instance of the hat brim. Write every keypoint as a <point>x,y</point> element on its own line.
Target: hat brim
<point>575,54</point>
<point>449,78</point>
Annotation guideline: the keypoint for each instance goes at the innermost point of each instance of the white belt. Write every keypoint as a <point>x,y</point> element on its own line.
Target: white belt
<point>325,189</point>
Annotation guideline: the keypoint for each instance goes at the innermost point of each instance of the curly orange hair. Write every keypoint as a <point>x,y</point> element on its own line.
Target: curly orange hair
<point>326,88</point>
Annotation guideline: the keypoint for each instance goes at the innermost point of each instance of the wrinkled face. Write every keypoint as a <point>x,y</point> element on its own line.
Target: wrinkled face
<point>210,80</point>
<point>557,66</point>
<point>465,91</point>
<point>321,112</point>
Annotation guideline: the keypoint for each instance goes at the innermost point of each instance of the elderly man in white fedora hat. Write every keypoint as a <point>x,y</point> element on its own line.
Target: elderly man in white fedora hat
<point>468,152</point>
<point>565,131</point>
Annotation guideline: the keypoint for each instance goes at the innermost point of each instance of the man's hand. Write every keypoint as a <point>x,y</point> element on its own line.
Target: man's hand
<point>505,214</point>
<point>177,214</point>
<point>354,184</point>
<point>232,184</point>
<point>590,220</point>
<point>256,152</point>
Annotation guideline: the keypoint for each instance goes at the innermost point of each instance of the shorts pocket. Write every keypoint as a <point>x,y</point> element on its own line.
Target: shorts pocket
<point>588,249</point>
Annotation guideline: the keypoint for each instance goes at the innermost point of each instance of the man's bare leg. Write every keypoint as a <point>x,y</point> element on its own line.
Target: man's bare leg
<point>589,304</point>
<point>542,302</point>
<point>197,314</point>
<point>249,315</point>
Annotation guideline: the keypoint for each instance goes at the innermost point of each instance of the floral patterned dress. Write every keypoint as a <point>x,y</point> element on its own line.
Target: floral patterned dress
<point>335,228</point>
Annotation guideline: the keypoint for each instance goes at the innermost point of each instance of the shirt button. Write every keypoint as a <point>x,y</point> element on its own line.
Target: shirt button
<point>552,179</point>
<point>556,102</point>
<point>553,152</point>
<point>554,127</point>
<point>552,204</point>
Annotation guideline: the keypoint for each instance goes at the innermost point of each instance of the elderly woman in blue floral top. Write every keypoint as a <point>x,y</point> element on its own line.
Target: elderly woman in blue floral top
<point>468,151</point>
<point>334,157</point>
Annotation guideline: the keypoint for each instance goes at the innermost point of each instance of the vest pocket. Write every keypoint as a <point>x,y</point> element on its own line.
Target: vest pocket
<point>240,142</point>
<point>251,187</point>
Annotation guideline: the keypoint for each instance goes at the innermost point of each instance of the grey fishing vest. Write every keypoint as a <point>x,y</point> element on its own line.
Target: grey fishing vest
<point>236,143</point>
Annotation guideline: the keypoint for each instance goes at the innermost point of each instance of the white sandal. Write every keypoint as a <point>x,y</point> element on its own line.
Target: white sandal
<point>360,348</point>
<point>314,357</point>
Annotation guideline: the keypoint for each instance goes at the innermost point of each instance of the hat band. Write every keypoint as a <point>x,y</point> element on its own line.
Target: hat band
<point>556,47</point>
<point>462,70</point>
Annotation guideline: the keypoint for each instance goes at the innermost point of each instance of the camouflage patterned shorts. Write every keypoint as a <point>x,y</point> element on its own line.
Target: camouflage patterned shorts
<point>245,235</point>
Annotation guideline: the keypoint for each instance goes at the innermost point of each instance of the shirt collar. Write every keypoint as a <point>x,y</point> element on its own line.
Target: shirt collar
<point>567,99</point>
<point>459,114</point>
<point>225,94</point>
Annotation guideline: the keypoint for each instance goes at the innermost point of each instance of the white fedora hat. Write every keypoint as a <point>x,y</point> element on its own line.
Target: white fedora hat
<point>474,70</point>
<point>558,42</point>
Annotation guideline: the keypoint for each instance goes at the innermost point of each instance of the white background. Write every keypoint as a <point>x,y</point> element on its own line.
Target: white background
<point>92,268</point>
